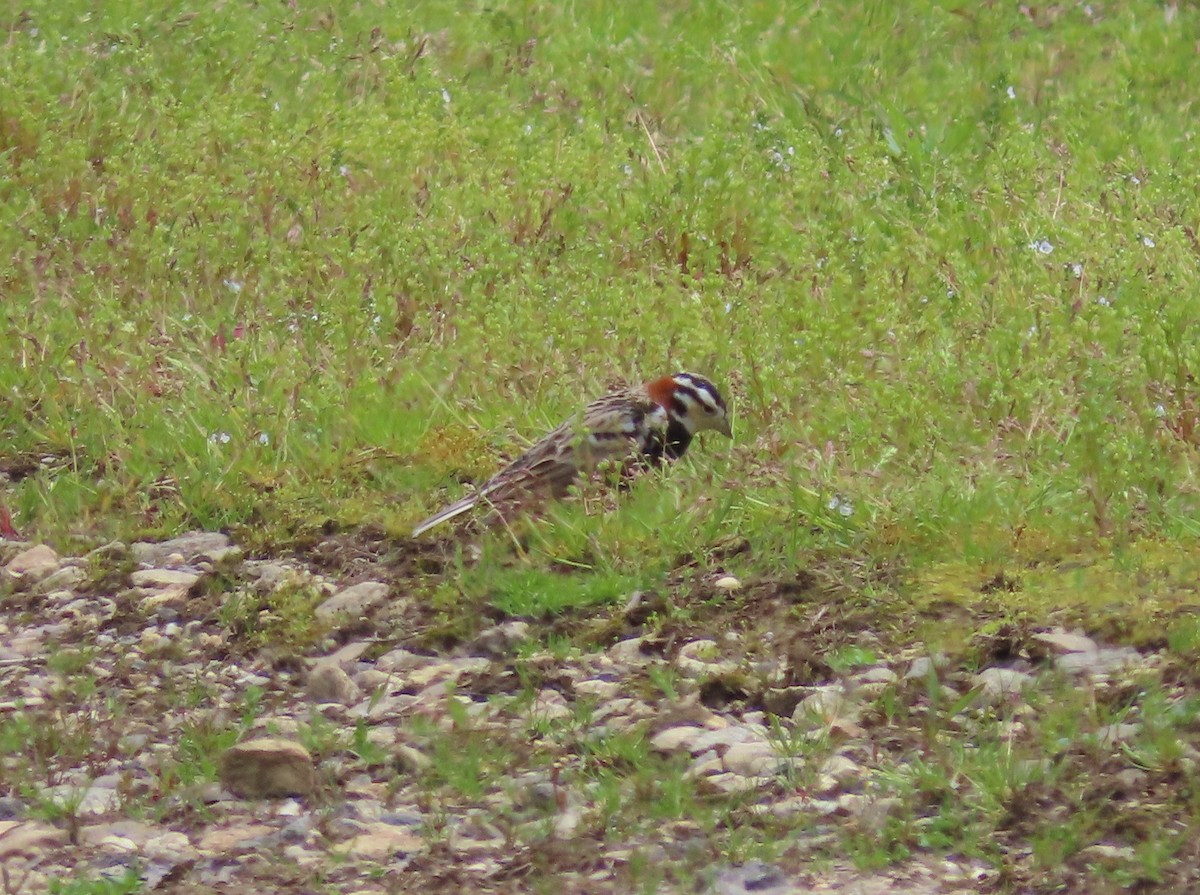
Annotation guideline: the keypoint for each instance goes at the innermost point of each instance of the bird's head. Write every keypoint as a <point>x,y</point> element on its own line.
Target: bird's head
<point>692,401</point>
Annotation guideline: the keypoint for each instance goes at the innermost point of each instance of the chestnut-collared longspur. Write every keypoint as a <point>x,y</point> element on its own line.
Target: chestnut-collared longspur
<point>649,424</point>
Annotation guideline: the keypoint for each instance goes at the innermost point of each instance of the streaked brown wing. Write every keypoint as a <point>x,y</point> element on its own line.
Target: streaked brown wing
<point>611,428</point>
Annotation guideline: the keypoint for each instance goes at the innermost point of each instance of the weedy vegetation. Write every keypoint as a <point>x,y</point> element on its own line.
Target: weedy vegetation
<point>286,270</point>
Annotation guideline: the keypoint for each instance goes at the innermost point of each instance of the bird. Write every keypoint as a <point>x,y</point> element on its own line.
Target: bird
<point>647,425</point>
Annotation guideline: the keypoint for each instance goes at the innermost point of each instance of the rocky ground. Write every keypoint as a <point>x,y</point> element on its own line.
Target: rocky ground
<point>180,718</point>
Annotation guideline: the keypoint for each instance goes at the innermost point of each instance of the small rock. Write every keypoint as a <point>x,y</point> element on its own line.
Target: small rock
<point>28,838</point>
<point>878,675</point>
<point>1112,734</point>
<point>67,578</point>
<point>346,655</point>
<point>1061,641</point>
<point>401,660</point>
<point>193,546</point>
<point>675,738</point>
<point>752,759</point>
<point>699,658</point>
<point>597,689</point>
<point>827,705</point>
<point>1111,856</point>
<point>160,578</point>
<point>33,564</point>
<point>755,876</point>
<point>267,768</point>
<point>629,652</point>
<point>353,601</point>
<point>731,783</point>
<point>567,821</point>
<point>500,640</point>
<point>383,841</point>
<point>1099,662</point>
<point>328,683</point>
<point>230,840</point>
<point>727,583</point>
<point>93,799</point>
<point>161,600</point>
<point>407,758</point>
<point>871,812</point>
<point>998,682</point>
<point>550,705</point>
<point>725,737</point>
<point>837,774</point>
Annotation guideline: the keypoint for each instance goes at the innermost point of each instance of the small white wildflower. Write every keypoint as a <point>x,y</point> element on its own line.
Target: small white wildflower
<point>1148,242</point>
<point>219,438</point>
<point>445,96</point>
<point>1032,331</point>
<point>233,286</point>
<point>1160,411</point>
<point>528,129</point>
<point>276,107</point>
<point>837,132</point>
<point>344,170</point>
<point>627,170</point>
<point>924,299</point>
<point>1135,180</point>
<point>1042,246</point>
<point>1012,94</point>
<point>728,307</point>
<point>950,292</point>
<point>1077,270</point>
<point>264,438</point>
<point>840,505</point>
<point>1103,300</point>
<point>791,150</point>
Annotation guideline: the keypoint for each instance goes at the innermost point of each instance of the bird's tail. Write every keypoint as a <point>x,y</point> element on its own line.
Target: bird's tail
<point>455,509</point>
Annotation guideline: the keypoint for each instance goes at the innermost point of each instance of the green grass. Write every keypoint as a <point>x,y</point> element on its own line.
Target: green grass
<point>287,271</point>
<point>270,267</point>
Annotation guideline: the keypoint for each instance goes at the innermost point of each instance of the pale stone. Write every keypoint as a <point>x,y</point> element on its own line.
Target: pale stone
<point>674,738</point>
<point>1099,662</point>
<point>1066,641</point>
<point>752,759</point>
<point>156,578</point>
<point>67,578</point>
<point>28,838</point>
<point>700,659</point>
<point>727,583</point>
<point>33,564</point>
<point>267,768</point>
<point>328,683</point>
<point>233,839</point>
<point>346,654</point>
<point>997,682</point>
<point>500,640</point>
<point>192,546</point>
<point>353,601</point>
<point>724,738</point>
<point>382,841</point>
<point>598,689</point>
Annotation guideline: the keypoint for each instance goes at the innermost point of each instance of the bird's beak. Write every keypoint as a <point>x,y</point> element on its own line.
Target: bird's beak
<point>726,427</point>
